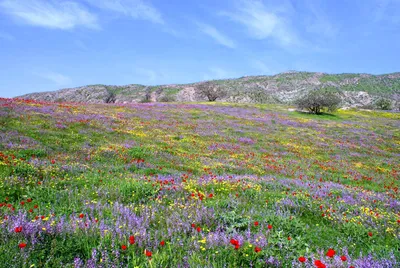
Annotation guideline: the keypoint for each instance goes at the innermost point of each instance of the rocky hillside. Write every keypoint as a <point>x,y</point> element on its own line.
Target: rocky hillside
<point>356,90</point>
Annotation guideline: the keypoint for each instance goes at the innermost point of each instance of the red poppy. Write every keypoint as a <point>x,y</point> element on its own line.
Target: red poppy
<point>81,215</point>
<point>352,266</point>
<point>22,245</point>
<point>234,242</point>
<point>330,253</point>
<point>162,243</point>
<point>53,161</point>
<point>123,247</point>
<point>18,229</point>
<point>343,258</point>
<point>22,203</point>
<point>302,259</point>
<point>237,246</point>
<point>131,240</point>
<point>35,206</point>
<point>193,225</point>
<point>370,234</point>
<point>147,252</point>
<point>31,210</point>
<point>289,238</point>
<point>269,226</point>
<point>319,264</point>
<point>210,195</point>
<point>256,223</point>
<point>257,249</point>
<point>198,229</point>
<point>29,200</point>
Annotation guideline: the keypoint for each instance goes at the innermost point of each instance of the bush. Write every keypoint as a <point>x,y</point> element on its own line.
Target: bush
<point>147,97</point>
<point>318,100</point>
<point>111,97</point>
<point>167,98</point>
<point>210,91</point>
<point>383,104</point>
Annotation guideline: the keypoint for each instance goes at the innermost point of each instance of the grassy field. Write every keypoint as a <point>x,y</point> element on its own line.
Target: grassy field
<point>197,185</point>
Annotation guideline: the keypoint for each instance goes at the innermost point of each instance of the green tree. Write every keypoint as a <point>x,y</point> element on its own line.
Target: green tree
<point>318,100</point>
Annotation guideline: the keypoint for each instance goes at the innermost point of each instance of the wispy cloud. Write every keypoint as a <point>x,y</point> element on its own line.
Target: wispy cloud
<point>56,78</point>
<point>263,22</point>
<point>319,22</point>
<point>216,35</point>
<point>6,36</point>
<point>50,14</point>
<point>138,9</point>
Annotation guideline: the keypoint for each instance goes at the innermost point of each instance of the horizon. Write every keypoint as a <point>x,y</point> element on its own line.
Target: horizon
<point>52,45</point>
<point>194,82</point>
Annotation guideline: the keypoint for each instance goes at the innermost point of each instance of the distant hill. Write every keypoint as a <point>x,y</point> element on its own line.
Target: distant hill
<point>356,90</point>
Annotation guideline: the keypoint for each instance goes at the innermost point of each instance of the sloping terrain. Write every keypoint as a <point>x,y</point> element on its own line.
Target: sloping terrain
<point>197,185</point>
<point>356,90</point>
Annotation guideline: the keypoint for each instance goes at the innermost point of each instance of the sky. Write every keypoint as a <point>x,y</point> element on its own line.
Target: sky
<point>47,45</point>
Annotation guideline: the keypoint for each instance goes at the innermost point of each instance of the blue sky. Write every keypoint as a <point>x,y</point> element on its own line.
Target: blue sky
<point>53,44</point>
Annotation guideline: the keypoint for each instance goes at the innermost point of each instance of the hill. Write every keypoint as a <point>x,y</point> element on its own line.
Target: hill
<point>356,90</point>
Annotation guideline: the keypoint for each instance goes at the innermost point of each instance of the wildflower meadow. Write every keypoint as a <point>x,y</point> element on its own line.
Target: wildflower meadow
<point>197,185</point>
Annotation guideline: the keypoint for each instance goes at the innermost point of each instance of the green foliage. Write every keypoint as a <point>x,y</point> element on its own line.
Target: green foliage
<point>383,104</point>
<point>28,153</point>
<point>317,100</point>
<point>211,91</point>
<point>138,152</point>
<point>167,98</point>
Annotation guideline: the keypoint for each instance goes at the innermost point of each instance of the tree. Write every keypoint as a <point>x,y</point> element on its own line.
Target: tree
<point>317,100</point>
<point>210,91</point>
<point>383,104</point>
<point>111,97</point>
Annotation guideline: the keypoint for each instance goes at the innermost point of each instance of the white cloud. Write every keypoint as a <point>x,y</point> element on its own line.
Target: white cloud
<point>265,23</point>
<point>216,35</point>
<point>57,78</point>
<point>138,9</point>
<point>63,15</point>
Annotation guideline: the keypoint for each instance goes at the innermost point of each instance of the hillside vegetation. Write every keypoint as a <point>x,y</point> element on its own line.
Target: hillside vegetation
<point>356,90</point>
<point>197,185</point>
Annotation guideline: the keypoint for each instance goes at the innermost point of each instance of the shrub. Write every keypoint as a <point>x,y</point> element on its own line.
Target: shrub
<point>111,97</point>
<point>167,98</point>
<point>383,104</point>
<point>318,100</point>
<point>147,97</point>
<point>210,91</point>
